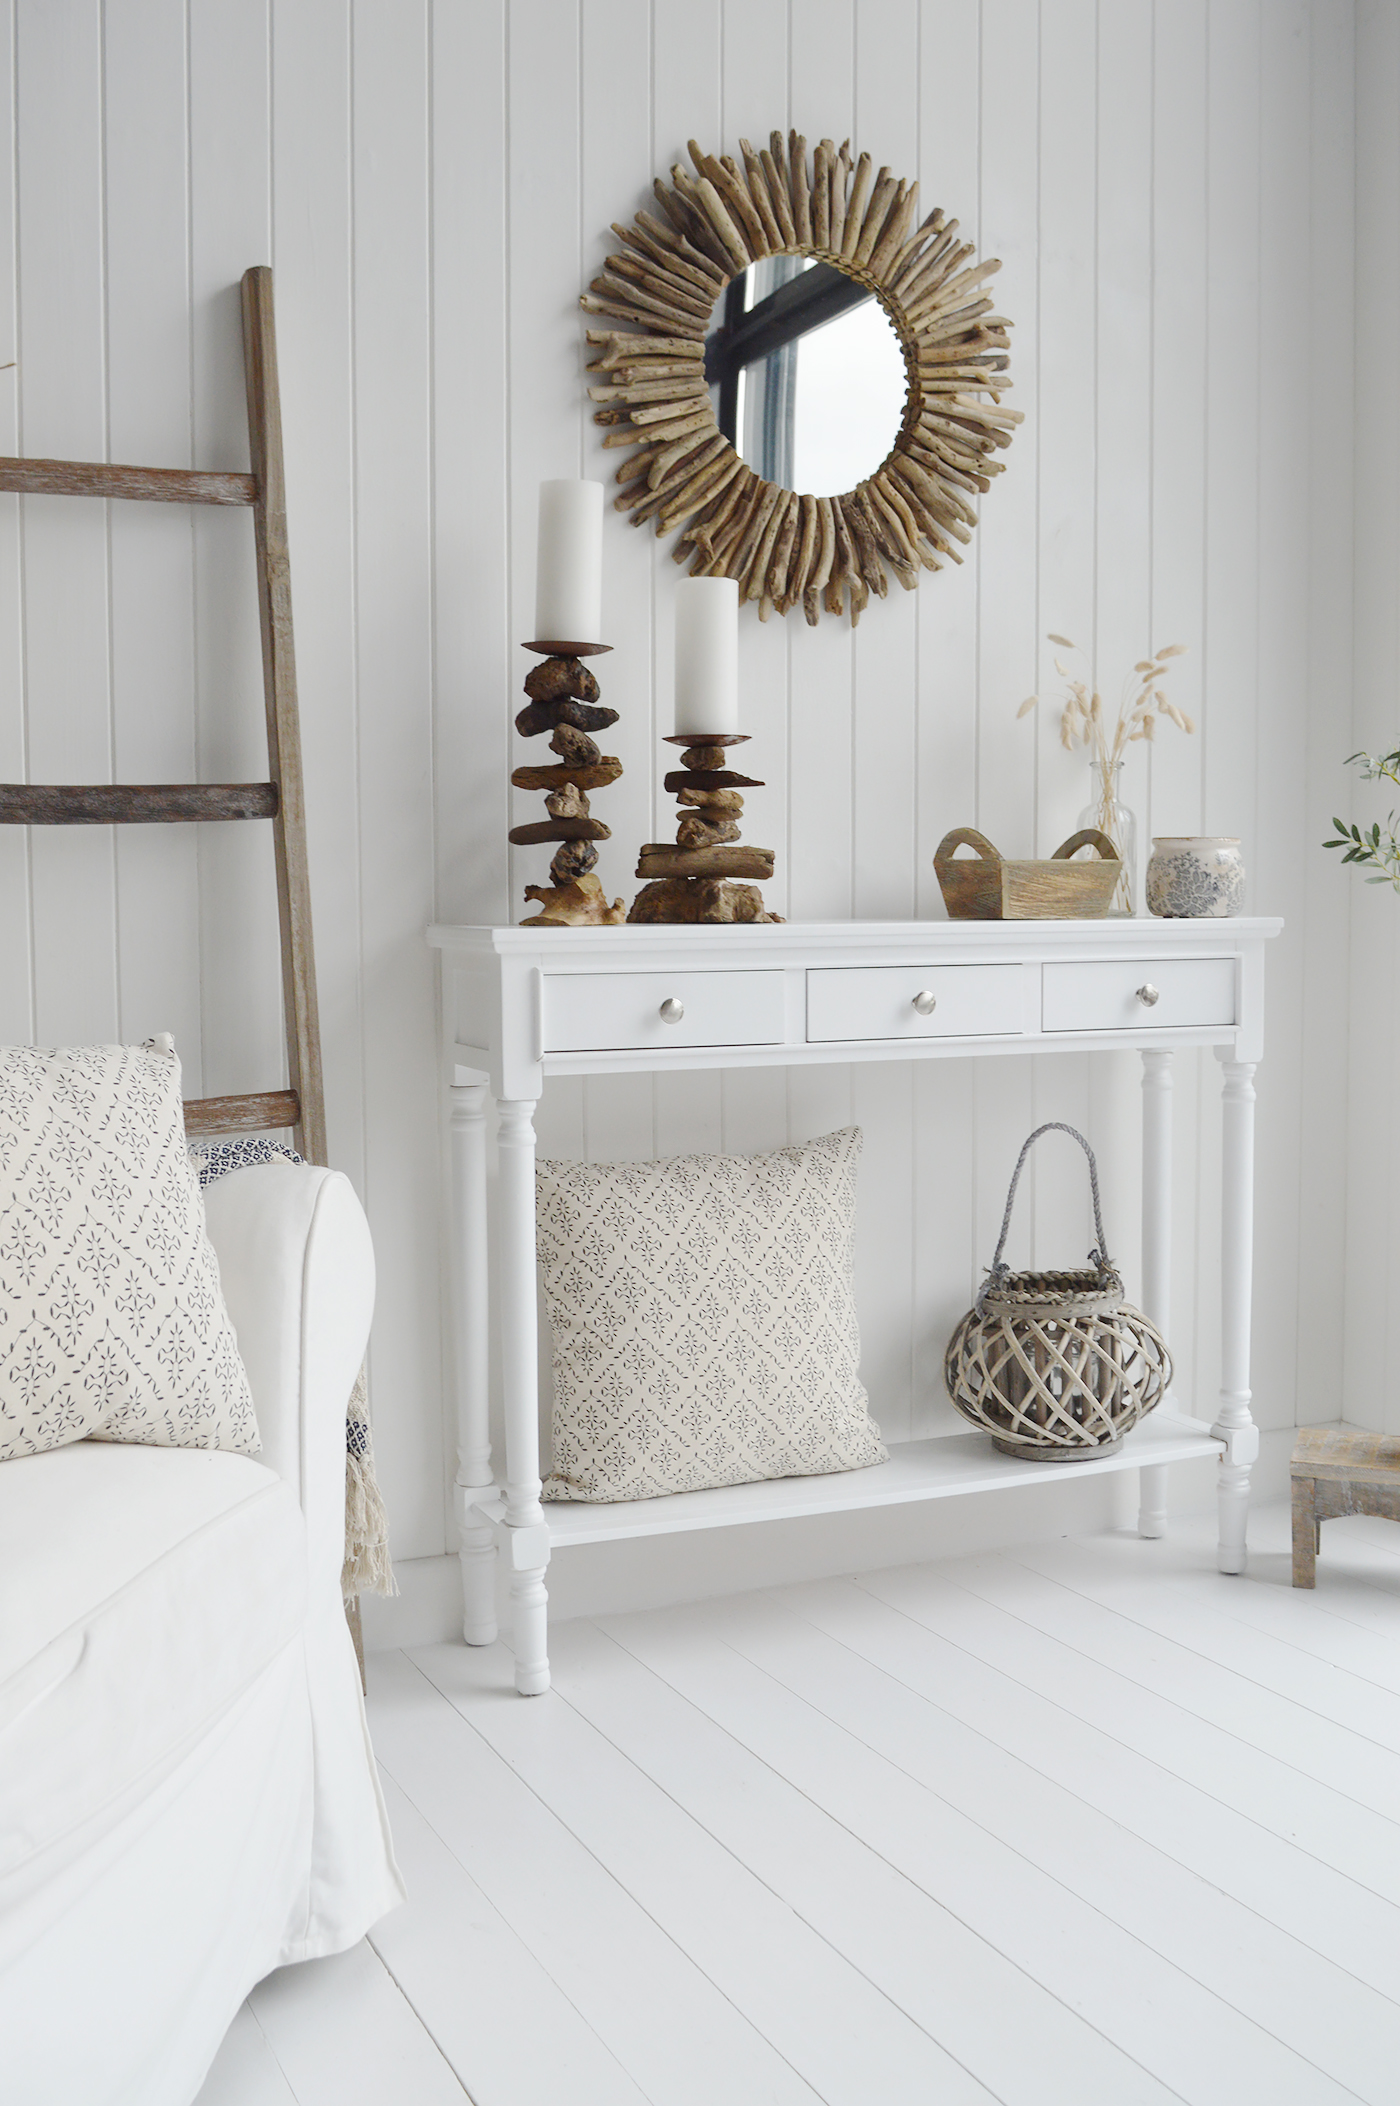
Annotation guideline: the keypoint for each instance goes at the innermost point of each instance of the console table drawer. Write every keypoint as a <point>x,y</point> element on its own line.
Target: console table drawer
<point>601,1012</point>
<point>891,1001</point>
<point>1114,995</point>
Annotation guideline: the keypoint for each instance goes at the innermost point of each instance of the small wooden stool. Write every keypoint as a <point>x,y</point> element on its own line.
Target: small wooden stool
<point>1337,1470</point>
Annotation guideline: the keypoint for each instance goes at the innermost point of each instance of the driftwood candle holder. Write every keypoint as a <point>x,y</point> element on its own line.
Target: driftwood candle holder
<point>564,702</point>
<point>694,880</point>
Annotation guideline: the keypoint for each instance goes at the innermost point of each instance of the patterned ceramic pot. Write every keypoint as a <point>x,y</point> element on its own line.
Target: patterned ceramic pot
<point>1195,876</point>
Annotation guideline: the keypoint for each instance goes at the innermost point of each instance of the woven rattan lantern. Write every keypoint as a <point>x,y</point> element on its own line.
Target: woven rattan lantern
<point>1055,1365</point>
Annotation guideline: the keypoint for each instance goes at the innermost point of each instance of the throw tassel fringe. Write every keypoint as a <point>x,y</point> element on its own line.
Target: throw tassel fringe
<point>367,1569</point>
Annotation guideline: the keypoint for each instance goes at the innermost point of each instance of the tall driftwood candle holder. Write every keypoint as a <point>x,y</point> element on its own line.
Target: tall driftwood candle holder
<point>564,702</point>
<point>693,881</point>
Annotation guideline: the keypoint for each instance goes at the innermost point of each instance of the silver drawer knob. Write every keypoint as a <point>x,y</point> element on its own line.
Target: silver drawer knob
<point>671,1011</point>
<point>926,1001</point>
<point>1148,995</point>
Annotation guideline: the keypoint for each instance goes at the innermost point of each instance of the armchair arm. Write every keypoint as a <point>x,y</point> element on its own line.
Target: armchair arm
<point>297,1269</point>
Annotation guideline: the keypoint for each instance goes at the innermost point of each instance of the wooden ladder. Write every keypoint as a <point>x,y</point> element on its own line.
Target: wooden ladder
<point>302,1106</point>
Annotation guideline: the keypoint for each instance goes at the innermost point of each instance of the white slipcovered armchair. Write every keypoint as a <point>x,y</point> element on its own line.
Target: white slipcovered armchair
<point>187,1793</point>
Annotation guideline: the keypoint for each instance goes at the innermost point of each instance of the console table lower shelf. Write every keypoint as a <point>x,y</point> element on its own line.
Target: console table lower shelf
<point>946,1467</point>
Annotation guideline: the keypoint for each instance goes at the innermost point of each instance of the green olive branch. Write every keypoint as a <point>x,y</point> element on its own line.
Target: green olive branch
<point>1371,847</point>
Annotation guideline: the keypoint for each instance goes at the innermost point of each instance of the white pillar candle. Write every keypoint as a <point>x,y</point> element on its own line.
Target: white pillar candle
<point>707,655</point>
<point>569,573</point>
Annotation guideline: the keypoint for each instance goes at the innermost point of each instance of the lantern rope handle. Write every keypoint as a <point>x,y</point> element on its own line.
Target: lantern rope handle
<point>1000,1272</point>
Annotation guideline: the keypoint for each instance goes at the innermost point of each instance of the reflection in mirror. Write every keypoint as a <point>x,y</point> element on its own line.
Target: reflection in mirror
<point>806,374</point>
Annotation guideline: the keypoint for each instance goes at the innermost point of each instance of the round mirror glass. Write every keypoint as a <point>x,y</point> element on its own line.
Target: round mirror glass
<point>806,374</point>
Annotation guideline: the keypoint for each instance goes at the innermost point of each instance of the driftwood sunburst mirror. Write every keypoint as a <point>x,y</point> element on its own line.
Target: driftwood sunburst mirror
<point>811,382</point>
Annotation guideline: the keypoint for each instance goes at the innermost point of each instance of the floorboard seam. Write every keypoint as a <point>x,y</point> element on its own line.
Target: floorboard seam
<point>1208,1984</point>
<point>720,1844</point>
<point>912,1883</point>
<point>1269,1752</point>
<point>688,1958</point>
<point>1188,1783</point>
<point>451,2067</point>
<point>1141,1622</point>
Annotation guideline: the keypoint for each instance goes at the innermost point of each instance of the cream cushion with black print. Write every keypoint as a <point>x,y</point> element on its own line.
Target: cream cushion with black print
<point>112,1323</point>
<point>704,1320</point>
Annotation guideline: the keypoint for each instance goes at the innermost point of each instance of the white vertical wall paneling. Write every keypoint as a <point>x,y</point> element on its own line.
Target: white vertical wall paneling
<point>1371,1312</point>
<point>16,950</point>
<point>754,88</point>
<point>885,745</point>
<point>478,662</point>
<point>63,412</point>
<point>822,71</point>
<point>559,1120</point>
<point>230,179</point>
<point>946,1257</point>
<point>1320,1331</point>
<point>1123,390</point>
<point>546,413</point>
<point>882,1100</point>
<point>476,656</point>
<point>1063,436</point>
<point>615,154</point>
<point>544,407</point>
<point>1010,94</point>
<point>1285,382</point>
<point>1233,555</point>
<point>1122,508</point>
<point>1008,560</point>
<point>1180,353</point>
<point>950,58</point>
<point>885,693</point>
<point>554,254</point>
<point>152,546</point>
<point>394,648</point>
<point>944,1138</point>
<point>432,237</point>
<point>1233,558</point>
<point>619,1125</point>
<point>820,783</point>
<point>686,103</point>
<point>313,288</point>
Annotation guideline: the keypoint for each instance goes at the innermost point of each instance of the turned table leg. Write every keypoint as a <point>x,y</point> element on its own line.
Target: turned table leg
<point>525,1538</point>
<point>1234,1423</point>
<point>476,1535</point>
<point>1156,1250</point>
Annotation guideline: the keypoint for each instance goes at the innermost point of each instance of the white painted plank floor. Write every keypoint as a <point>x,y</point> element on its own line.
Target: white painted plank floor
<point>1078,1824</point>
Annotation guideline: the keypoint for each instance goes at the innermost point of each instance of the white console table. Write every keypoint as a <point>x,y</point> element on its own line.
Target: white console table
<point>518,1006</point>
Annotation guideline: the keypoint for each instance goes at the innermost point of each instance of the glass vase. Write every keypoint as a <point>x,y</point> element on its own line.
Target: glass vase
<point>1107,811</point>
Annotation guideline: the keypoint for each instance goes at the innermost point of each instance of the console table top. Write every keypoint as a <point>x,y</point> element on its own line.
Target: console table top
<point>778,942</point>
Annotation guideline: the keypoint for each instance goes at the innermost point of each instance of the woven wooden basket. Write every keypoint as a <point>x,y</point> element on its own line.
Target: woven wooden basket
<point>1055,1365</point>
<point>989,887</point>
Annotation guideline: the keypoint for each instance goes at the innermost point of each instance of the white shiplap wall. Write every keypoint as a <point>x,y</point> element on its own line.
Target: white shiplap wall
<point>1372,1391</point>
<point>1171,187</point>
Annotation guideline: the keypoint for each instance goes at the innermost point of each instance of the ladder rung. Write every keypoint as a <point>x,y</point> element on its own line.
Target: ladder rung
<point>133,804</point>
<point>174,486</point>
<point>267,1113</point>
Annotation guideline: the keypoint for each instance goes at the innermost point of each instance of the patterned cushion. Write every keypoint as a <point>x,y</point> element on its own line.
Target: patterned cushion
<point>112,1325</point>
<point>704,1320</point>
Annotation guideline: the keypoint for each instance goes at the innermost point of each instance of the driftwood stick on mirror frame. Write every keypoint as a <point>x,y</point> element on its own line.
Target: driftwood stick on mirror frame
<point>919,506</point>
